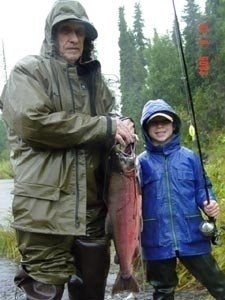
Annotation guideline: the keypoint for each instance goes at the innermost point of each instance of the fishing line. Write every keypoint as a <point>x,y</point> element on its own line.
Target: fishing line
<point>191,103</point>
<point>183,78</point>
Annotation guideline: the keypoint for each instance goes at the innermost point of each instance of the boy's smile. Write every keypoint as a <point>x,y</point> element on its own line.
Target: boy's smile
<point>160,130</point>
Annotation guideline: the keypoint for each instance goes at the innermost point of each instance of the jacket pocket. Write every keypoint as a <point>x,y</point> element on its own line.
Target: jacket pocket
<point>194,233</point>
<point>185,175</point>
<point>150,233</point>
<point>151,186</point>
<point>33,190</point>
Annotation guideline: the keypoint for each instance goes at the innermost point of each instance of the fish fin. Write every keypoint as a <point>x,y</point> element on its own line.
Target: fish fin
<point>137,252</point>
<point>116,259</point>
<point>108,226</point>
<point>125,284</point>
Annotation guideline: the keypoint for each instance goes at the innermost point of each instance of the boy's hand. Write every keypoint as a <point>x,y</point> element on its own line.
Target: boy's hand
<point>211,209</point>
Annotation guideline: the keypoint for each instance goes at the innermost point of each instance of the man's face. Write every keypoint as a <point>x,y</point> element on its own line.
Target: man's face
<point>70,40</point>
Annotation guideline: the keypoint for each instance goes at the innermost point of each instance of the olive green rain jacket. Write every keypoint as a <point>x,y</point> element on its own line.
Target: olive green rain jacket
<point>59,131</point>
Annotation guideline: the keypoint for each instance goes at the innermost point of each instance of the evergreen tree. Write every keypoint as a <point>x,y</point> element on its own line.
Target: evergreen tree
<point>153,68</point>
<point>132,66</point>
<point>211,104</point>
<point>138,33</point>
<point>192,18</point>
<point>164,79</point>
<point>127,56</point>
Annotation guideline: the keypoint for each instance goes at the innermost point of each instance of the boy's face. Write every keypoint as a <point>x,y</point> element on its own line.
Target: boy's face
<point>160,130</point>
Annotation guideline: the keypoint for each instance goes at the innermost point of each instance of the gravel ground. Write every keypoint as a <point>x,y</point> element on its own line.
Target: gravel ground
<point>8,291</point>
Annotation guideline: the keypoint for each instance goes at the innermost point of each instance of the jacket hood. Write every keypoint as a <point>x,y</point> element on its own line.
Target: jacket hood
<point>63,10</point>
<point>158,106</point>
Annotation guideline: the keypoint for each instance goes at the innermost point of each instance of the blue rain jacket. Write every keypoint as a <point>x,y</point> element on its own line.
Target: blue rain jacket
<point>174,190</point>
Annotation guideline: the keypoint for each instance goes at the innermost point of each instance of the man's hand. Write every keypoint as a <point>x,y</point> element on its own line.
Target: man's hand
<point>211,209</point>
<point>125,132</point>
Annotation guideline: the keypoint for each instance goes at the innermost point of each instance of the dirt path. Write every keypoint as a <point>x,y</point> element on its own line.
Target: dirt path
<point>8,291</point>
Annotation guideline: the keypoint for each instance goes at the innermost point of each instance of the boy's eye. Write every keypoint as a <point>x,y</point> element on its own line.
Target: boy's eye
<point>163,122</point>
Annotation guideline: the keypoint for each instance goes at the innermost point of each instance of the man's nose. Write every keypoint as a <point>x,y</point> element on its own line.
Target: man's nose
<point>73,36</point>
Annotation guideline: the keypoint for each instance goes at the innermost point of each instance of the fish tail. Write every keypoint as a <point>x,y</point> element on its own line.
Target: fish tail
<point>125,284</point>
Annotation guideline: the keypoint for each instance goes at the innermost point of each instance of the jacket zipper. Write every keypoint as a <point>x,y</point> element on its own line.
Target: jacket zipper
<point>170,205</point>
<point>77,200</point>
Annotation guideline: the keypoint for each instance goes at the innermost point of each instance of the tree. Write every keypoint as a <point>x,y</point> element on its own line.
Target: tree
<point>211,104</point>
<point>139,38</point>
<point>192,18</point>
<point>132,66</point>
<point>153,68</point>
<point>164,79</point>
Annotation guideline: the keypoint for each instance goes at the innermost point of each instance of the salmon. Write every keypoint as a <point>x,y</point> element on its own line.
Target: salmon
<point>124,212</point>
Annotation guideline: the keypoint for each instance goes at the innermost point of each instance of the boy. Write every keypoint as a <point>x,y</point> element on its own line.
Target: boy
<point>174,193</point>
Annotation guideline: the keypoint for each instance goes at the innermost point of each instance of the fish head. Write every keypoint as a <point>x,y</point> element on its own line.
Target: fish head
<point>125,159</point>
<point>127,162</point>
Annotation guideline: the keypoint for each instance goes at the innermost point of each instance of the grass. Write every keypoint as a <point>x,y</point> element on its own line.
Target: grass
<point>8,247</point>
<point>5,169</point>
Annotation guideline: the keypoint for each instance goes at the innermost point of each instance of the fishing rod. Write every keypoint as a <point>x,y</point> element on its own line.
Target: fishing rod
<point>208,227</point>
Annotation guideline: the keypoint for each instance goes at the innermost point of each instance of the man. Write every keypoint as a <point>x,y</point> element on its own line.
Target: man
<point>56,107</point>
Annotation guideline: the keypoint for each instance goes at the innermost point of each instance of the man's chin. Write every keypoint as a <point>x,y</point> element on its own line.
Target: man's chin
<point>72,58</point>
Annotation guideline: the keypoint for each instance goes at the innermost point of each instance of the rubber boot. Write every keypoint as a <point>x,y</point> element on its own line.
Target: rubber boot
<point>35,290</point>
<point>92,262</point>
<point>163,278</point>
<point>206,270</point>
<point>163,293</point>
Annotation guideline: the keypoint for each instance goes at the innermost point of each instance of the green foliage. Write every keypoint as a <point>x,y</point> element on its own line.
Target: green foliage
<point>3,138</point>
<point>154,69</point>
<point>215,164</point>
<point>164,80</point>
<point>192,18</point>
<point>8,245</point>
<point>5,169</point>
<point>132,67</point>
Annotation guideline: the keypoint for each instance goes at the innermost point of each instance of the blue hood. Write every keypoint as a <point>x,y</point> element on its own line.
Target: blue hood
<point>159,105</point>
<point>155,106</point>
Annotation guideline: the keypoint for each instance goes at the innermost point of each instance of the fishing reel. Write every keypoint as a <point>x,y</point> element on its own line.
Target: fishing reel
<point>208,229</point>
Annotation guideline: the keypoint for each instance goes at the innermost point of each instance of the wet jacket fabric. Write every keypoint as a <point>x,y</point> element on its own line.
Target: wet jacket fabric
<point>59,129</point>
<point>173,193</point>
